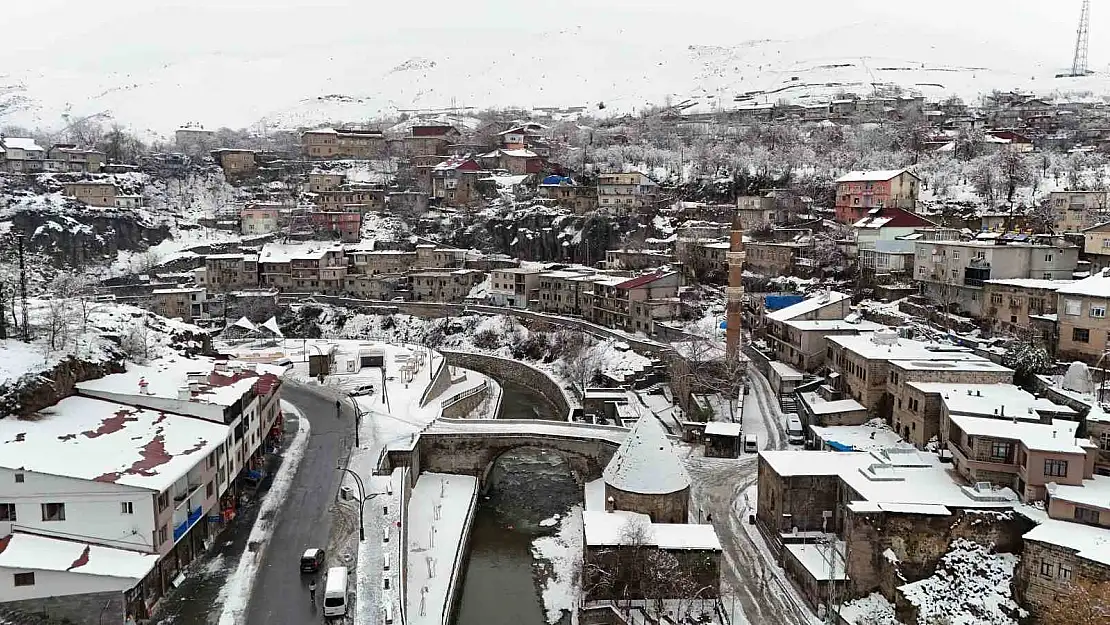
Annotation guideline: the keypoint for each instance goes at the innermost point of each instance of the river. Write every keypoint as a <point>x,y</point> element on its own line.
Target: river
<point>525,486</point>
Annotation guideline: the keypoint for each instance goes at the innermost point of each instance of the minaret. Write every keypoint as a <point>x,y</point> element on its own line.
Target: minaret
<point>734,308</point>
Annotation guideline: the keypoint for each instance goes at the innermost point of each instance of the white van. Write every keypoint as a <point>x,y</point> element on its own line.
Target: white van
<point>335,592</point>
<point>751,444</point>
<point>795,435</point>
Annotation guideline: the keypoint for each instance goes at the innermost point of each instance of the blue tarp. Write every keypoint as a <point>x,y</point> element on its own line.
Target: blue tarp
<point>778,302</point>
<point>839,446</point>
<point>553,179</point>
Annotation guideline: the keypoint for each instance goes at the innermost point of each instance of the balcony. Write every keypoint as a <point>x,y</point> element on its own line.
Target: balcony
<point>182,528</point>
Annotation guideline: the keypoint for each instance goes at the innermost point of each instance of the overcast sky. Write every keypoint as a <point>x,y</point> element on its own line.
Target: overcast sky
<point>115,34</point>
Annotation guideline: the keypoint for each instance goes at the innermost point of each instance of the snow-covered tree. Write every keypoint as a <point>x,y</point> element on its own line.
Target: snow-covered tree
<point>1027,360</point>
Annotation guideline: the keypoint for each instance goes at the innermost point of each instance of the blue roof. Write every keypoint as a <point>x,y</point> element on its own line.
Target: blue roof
<point>553,179</point>
<point>777,302</point>
<point>839,446</point>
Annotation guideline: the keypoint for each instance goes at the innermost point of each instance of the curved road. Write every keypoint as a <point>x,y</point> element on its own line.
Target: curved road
<point>280,592</point>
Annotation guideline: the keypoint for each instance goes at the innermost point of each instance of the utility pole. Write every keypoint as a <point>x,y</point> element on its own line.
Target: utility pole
<point>26,332</point>
<point>3,319</point>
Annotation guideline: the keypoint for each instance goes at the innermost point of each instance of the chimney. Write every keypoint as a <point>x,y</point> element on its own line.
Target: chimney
<point>1053,433</point>
<point>610,504</point>
<point>184,393</point>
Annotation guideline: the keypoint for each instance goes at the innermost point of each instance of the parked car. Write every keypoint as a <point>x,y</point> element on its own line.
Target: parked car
<point>312,560</point>
<point>364,389</point>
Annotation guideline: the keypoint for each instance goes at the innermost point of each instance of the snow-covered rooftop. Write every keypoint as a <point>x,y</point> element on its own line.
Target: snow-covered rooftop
<point>1092,543</point>
<point>891,477</point>
<point>1058,436</point>
<point>807,306</point>
<point>879,175</point>
<point>819,406</point>
<point>1033,283</point>
<point>823,561</point>
<point>1005,400</point>
<point>33,552</point>
<point>834,325</point>
<point>616,528</point>
<point>646,463</point>
<point>1094,492</point>
<point>949,365</point>
<point>721,428</point>
<point>91,439</point>
<point>859,437</point>
<point>285,252</point>
<point>1097,285</point>
<point>214,383</point>
<point>872,347</point>
<point>21,143</point>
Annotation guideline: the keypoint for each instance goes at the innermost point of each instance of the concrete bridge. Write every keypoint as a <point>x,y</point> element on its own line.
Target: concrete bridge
<point>471,446</point>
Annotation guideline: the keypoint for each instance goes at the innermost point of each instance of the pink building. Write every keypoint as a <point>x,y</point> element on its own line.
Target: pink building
<point>858,192</point>
<point>345,224</point>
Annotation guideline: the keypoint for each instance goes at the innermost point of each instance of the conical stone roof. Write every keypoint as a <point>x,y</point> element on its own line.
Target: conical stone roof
<point>646,463</point>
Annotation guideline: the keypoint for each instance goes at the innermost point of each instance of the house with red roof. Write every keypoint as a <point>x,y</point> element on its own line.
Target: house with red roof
<point>455,180</point>
<point>634,304</point>
<point>887,224</point>
<point>857,192</point>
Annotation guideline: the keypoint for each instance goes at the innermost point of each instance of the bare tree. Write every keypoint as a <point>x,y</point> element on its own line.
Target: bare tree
<point>583,367</point>
<point>1085,602</point>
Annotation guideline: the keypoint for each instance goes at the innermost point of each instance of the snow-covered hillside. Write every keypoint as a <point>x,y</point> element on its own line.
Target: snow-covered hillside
<point>282,70</point>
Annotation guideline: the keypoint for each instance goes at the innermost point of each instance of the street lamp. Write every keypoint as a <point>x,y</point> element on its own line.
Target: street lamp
<point>362,498</point>
<point>358,414</point>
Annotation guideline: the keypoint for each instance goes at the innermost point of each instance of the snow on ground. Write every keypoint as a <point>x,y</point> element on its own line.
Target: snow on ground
<point>563,551</point>
<point>971,586</point>
<point>440,511</point>
<point>236,592</point>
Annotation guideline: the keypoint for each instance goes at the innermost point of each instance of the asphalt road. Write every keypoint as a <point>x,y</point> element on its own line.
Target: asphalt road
<point>280,592</point>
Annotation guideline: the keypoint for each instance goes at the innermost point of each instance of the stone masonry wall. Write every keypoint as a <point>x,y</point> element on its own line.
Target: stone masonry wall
<point>667,508</point>
<point>87,609</point>
<point>1037,590</point>
<point>918,541</point>
<point>503,369</point>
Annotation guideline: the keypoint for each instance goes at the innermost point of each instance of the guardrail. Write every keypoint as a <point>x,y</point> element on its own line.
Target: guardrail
<point>451,401</point>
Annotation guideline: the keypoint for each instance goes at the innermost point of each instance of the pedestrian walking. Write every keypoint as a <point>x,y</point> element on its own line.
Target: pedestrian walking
<point>312,590</point>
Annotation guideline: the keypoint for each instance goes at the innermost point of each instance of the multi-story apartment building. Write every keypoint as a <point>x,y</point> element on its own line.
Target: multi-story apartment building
<point>772,258</point>
<point>916,413</point>
<point>514,287</point>
<point>382,286</point>
<point>346,225</point>
<point>1022,455</point>
<point>862,364</point>
<point>347,143</point>
<point>304,268</point>
<point>320,181</point>
<point>561,291</point>
<point>373,262</point>
<point>428,255</point>
<point>21,155</point>
<point>801,343</point>
<point>133,476</point>
<point>229,272</point>
<point>93,193</point>
<point>260,218</point>
<point>187,303</point>
<point>452,285</point>
<point>455,181</point>
<point>430,139</point>
<point>953,273</point>
<point>1083,330</point>
<point>1096,246</point>
<point>236,162</point>
<point>626,192</point>
<point>194,140</point>
<point>858,192</point>
<point>1012,305</point>
<point>351,197</point>
<point>568,194</point>
<point>69,157</point>
<point>1076,210</point>
<point>633,304</point>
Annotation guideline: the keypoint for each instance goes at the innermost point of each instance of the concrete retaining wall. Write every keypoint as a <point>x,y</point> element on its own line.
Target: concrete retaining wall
<point>505,370</point>
<point>450,606</point>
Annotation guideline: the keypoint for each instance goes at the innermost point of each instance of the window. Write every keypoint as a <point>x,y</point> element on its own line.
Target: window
<point>1046,569</point>
<point>163,535</point>
<point>1098,312</point>
<point>955,256</point>
<point>53,512</point>
<point>996,298</point>
<point>1064,573</point>
<point>7,512</point>
<point>126,507</point>
<point>24,579</point>
<point>1086,515</point>
<point>1080,335</point>
<point>1048,258</point>
<point>1000,450</point>
<point>1072,307</point>
<point>163,501</point>
<point>209,490</point>
<point>1104,441</point>
<point>19,478</point>
<point>1046,275</point>
<point>1105,243</point>
<point>1055,468</point>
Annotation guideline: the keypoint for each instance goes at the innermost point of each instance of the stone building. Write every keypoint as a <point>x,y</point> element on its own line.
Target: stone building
<point>916,411</point>
<point>349,143</point>
<point>91,192</point>
<point>1083,329</point>
<point>1059,555</point>
<point>645,476</point>
<point>1013,305</point>
<point>446,285</point>
<point>771,258</point>
<point>1076,210</point>
<point>229,272</point>
<point>189,304</point>
<point>236,163</point>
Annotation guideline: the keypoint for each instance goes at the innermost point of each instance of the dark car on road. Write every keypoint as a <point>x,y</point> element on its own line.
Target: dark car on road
<point>312,560</point>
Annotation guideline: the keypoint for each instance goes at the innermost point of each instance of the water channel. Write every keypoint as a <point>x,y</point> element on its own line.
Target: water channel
<point>526,486</point>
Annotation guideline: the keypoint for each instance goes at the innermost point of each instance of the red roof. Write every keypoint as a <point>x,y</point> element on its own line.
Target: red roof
<point>640,281</point>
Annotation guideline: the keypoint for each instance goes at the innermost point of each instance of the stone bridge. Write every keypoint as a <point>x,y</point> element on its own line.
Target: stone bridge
<point>471,447</point>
